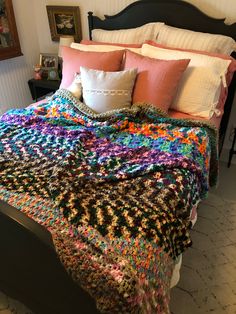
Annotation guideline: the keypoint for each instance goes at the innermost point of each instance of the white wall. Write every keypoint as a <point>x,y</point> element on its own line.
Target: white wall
<point>34,33</point>
<point>99,7</point>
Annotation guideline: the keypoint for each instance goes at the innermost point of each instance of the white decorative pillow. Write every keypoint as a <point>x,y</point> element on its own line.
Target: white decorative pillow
<point>105,91</point>
<point>186,39</point>
<point>102,48</point>
<point>76,87</point>
<point>200,86</point>
<point>136,35</point>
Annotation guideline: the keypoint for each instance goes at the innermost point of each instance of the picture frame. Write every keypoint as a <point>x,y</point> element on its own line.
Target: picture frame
<point>9,40</point>
<point>64,21</point>
<point>48,61</point>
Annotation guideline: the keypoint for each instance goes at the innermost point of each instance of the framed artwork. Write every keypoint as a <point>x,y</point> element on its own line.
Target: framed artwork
<point>64,20</point>
<point>9,41</point>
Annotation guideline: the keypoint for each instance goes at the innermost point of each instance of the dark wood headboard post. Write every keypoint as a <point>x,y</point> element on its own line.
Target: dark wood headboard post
<point>227,111</point>
<point>90,23</point>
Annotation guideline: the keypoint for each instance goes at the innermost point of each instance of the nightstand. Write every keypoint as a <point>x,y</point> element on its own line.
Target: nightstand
<point>232,150</point>
<point>41,88</point>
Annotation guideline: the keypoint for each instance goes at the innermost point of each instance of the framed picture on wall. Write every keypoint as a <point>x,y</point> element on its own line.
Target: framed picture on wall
<point>64,20</point>
<point>9,41</point>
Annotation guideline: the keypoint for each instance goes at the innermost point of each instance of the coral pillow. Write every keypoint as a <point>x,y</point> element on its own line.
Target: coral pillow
<point>73,59</point>
<point>157,80</point>
<point>92,42</point>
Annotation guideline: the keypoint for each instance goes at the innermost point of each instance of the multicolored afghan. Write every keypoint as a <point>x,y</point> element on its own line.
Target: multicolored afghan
<point>114,189</point>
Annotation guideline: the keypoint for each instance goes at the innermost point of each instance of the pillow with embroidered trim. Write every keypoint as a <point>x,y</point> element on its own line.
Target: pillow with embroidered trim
<point>200,87</point>
<point>106,91</point>
<point>157,80</point>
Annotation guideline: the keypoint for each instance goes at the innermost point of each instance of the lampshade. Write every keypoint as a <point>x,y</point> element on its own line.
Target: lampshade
<point>64,41</point>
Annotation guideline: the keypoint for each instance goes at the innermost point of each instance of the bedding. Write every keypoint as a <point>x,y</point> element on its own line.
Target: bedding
<point>214,121</point>
<point>200,88</point>
<point>157,79</point>
<point>137,35</point>
<point>76,86</point>
<point>105,91</point>
<point>187,39</point>
<point>114,189</point>
<point>225,81</point>
<point>104,48</point>
<point>73,59</point>
<point>93,42</point>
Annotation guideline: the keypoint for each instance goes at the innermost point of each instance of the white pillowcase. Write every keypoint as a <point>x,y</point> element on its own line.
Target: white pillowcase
<point>105,91</point>
<point>136,35</point>
<point>102,48</point>
<point>200,86</point>
<point>186,39</point>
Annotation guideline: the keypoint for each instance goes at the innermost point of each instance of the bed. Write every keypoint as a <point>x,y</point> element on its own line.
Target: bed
<point>38,238</point>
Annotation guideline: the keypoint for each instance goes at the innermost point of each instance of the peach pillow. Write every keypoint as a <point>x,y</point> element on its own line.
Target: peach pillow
<point>157,80</point>
<point>92,42</point>
<point>229,74</point>
<point>73,59</point>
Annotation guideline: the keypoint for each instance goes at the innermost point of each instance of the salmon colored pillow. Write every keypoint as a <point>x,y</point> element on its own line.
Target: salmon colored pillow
<point>92,42</point>
<point>157,80</point>
<point>73,59</point>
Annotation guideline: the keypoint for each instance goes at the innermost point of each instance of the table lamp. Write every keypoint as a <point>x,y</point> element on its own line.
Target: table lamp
<point>65,40</point>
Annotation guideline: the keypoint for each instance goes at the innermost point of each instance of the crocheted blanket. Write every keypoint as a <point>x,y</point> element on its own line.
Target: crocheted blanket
<point>114,189</point>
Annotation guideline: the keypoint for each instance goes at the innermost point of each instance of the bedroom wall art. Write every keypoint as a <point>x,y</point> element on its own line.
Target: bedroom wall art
<point>9,41</point>
<point>64,21</point>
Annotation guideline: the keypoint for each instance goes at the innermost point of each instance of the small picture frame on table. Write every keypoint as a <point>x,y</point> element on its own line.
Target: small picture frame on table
<point>49,66</point>
<point>64,21</point>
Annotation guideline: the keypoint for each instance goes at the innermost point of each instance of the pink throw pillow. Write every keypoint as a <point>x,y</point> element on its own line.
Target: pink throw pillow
<point>157,80</point>
<point>92,42</point>
<point>229,75</point>
<point>73,59</point>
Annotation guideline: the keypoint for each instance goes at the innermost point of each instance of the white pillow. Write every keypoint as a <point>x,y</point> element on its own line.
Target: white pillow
<point>136,35</point>
<point>105,91</point>
<point>102,48</point>
<point>200,86</point>
<point>186,39</point>
<point>76,86</point>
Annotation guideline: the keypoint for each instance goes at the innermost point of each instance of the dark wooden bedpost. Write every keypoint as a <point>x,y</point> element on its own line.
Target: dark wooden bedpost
<point>90,23</point>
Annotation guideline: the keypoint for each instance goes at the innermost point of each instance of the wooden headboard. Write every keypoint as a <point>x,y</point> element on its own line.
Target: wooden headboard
<point>176,13</point>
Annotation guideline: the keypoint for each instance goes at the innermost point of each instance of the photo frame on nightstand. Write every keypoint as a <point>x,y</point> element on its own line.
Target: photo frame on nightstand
<point>48,61</point>
<point>49,66</point>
